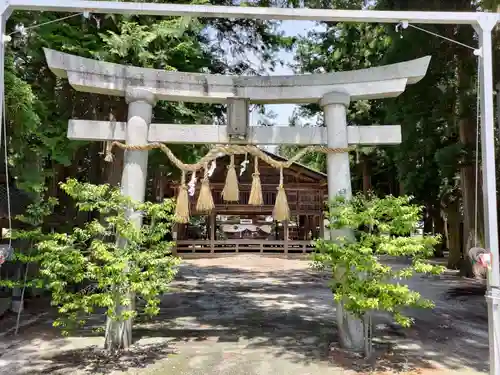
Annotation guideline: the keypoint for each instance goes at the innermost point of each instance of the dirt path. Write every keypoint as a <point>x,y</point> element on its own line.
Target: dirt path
<point>250,315</point>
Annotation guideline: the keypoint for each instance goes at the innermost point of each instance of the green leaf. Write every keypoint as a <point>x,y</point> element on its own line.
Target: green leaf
<point>373,226</point>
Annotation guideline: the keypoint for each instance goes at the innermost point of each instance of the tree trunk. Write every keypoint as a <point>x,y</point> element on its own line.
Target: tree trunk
<point>453,216</point>
<point>428,227</point>
<point>438,222</point>
<point>471,195</point>
<point>366,172</point>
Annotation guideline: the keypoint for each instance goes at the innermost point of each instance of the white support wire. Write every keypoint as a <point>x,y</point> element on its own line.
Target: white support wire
<point>20,30</point>
<point>6,165</point>
<point>478,123</point>
<point>443,37</point>
<point>490,296</point>
<point>477,52</point>
<point>405,25</point>
<point>23,290</point>
<point>9,207</point>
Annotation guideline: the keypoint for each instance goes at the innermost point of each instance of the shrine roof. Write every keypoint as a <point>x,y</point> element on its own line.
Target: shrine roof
<point>319,174</point>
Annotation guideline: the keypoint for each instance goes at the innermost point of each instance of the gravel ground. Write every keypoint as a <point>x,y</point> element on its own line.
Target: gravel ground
<point>254,315</point>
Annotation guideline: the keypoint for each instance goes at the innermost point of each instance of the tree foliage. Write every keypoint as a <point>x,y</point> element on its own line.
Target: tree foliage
<point>381,227</point>
<point>102,265</point>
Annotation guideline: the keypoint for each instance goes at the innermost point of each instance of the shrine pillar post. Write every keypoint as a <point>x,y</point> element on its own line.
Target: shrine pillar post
<point>133,185</point>
<point>339,175</point>
<point>213,223</point>
<point>286,234</point>
<point>135,169</point>
<point>334,104</point>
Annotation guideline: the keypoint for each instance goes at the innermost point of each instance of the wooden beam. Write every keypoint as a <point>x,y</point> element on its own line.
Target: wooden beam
<point>211,134</point>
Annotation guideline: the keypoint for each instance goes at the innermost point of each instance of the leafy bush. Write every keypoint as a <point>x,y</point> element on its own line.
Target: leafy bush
<point>373,227</point>
<point>104,264</point>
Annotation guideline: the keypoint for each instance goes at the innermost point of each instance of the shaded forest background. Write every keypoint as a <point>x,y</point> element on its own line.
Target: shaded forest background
<point>435,163</point>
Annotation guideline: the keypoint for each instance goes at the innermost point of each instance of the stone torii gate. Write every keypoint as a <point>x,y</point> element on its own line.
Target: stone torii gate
<point>142,87</point>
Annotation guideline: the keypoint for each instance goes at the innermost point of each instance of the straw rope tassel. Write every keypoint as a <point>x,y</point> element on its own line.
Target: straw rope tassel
<point>281,211</point>
<point>256,190</point>
<point>108,158</point>
<point>231,191</point>
<point>182,205</point>
<point>205,201</point>
<point>216,152</point>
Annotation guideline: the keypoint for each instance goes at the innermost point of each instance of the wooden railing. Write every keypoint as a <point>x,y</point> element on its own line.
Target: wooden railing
<point>244,246</point>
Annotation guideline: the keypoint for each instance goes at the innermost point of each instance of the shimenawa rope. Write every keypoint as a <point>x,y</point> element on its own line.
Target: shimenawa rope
<point>205,202</point>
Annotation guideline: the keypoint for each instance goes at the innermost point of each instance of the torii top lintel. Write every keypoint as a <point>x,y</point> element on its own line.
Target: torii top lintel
<point>95,76</point>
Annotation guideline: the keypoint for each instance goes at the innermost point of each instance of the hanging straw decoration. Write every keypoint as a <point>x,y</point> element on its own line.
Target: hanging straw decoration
<point>231,191</point>
<point>108,156</point>
<point>192,185</point>
<point>281,211</point>
<point>256,190</point>
<point>182,206</point>
<point>244,164</point>
<point>205,201</point>
<point>213,167</point>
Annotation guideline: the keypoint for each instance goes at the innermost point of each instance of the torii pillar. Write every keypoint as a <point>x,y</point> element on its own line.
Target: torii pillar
<point>133,185</point>
<point>335,104</point>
